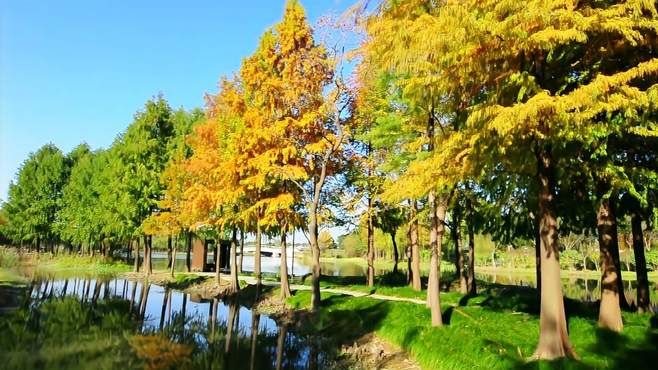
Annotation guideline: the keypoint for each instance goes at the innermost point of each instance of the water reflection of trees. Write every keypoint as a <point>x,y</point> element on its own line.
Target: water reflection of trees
<point>87,323</point>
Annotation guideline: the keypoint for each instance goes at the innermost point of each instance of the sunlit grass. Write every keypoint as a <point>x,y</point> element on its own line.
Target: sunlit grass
<point>498,329</point>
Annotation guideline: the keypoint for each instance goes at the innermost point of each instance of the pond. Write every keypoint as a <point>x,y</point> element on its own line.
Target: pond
<point>270,265</point>
<point>99,323</point>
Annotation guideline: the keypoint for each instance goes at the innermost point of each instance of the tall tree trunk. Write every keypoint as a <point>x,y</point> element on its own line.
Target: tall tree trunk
<point>148,266</point>
<point>472,288</point>
<point>553,336</point>
<point>241,250</point>
<point>609,312</point>
<point>257,256</point>
<point>136,266</point>
<point>643,300</point>
<point>538,257</point>
<point>437,208</point>
<point>459,256</point>
<point>396,255</point>
<point>371,247</point>
<point>285,285</point>
<point>169,260</point>
<point>129,251</point>
<point>188,259</point>
<point>173,259</point>
<point>234,285</point>
<point>315,249</point>
<point>415,248</point>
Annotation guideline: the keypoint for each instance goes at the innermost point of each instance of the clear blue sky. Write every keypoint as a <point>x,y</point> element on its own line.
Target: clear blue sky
<point>74,71</point>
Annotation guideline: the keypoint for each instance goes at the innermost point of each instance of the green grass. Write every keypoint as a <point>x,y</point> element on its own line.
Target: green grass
<point>84,264</point>
<point>497,329</point>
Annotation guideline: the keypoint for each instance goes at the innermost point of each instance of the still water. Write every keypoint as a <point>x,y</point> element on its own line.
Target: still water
<point>81,323</point>
<point>270,265</point>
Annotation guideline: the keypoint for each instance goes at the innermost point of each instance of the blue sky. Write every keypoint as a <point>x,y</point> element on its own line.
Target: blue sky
<point>74,71</point>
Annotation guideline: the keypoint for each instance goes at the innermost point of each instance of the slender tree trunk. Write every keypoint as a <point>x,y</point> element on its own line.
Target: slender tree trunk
<point>396,255</point>
<point>188,259</point>
<point>129,251</point>
<point>285,285</point>
<point>173,260</point>
<point>553,335</point>
<point>643,299</point>
<point>610,311</point>
<point>257,256</point>
<point>315,249</point>
<point>136,266</point>
<point>234,285</point>
<point>241,250</point>
<point>371,247</point>
<point>472,288</point>
<point>459,256</point>
<point>538,257</point>
<point>169,260</point>
<point>415,248</point>
<point>437,208</point>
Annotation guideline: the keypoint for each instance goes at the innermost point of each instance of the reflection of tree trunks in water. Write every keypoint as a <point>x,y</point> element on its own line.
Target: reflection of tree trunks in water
<point>232,310</point>
<point>97,292</point>
<point>144,301</point>
<point>184,311</point>
<point>213,318</point>
<point>415,248</point>
<point>553,335</point>
<point>280,345</point>
<point>609,312</point>
<point>88,288</point>
<point>132,296</point>
<point>643,300</point>
<point>65,288</point>
<point>255,321</point>
<point>165,299</point>
<point>283,265</point>
<point>313,363</point>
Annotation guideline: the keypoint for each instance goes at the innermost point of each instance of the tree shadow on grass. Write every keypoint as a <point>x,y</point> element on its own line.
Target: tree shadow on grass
<point>623,354</point>
<point>349,324</point>
<point>525,299</point>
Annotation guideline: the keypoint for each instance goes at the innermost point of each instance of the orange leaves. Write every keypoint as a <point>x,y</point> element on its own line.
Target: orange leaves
<point>160,353</point>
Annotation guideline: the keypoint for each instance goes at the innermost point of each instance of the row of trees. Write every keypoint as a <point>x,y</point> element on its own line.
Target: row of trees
<point>98,200</point>
<point>520,120</point>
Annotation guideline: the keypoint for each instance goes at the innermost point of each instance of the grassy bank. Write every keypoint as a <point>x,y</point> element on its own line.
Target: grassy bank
<point>497,329</point>
<point>10,259</point>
